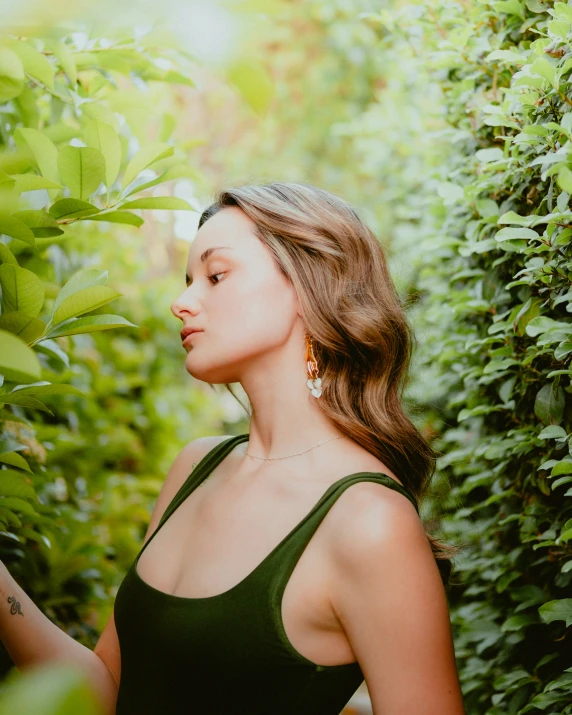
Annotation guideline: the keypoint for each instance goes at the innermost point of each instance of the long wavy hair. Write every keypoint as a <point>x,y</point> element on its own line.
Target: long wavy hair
<point>362,339</point>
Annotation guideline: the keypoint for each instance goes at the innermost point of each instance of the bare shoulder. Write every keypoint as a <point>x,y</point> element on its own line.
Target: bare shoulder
<point>196,449</point>
<point>368,515</point>
<point>388,596</point>
<point>374,529</point>
<point>187,458</point>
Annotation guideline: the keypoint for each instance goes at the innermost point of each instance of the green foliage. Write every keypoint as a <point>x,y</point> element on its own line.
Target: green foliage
<point>89,423</point>
<point>58,689</point>
<point>476,125</point>
<point>65,147</point>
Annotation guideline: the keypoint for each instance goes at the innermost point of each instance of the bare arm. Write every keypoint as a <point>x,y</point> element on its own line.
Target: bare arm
<point>392,604</point>
<point>31,639</point>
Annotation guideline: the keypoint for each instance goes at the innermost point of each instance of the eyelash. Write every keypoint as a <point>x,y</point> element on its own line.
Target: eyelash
<point>212,275</point>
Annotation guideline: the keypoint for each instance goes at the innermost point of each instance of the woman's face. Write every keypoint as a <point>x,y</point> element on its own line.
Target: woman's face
<point>245,310</point>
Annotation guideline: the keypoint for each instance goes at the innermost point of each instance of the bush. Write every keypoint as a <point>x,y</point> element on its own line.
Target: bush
<point>477,145</point>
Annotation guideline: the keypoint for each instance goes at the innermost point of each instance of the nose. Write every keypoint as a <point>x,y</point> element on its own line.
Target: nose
<point>184,303</point>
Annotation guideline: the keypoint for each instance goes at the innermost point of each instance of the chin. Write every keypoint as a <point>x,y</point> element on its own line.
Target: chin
<point>205,373</point>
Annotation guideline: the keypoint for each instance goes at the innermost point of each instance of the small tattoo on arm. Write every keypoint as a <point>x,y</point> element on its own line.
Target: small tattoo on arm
<point>15,608</point>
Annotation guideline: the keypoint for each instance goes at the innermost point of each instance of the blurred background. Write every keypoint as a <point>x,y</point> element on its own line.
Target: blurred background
<point>415,112</point>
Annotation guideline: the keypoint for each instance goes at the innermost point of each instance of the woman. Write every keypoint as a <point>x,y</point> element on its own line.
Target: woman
<point>301,565</point>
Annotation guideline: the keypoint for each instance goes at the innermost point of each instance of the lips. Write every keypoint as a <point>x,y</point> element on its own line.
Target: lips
<point>185,332</point>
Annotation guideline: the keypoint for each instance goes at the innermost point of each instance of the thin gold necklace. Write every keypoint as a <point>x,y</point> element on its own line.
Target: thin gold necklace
<point>297,453</point>
<point>270,458</point>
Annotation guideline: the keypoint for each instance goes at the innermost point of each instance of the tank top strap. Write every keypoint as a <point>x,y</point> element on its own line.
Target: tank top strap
<point>202,470</point>
<point>286,555</point>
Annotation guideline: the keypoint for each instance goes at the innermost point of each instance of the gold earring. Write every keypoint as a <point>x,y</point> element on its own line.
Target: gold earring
<point>314,382</point>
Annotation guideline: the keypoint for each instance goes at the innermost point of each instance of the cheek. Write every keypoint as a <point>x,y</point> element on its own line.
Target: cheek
<point>257,312</point>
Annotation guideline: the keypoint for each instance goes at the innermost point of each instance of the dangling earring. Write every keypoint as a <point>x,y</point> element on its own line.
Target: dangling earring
<point>314,382</point>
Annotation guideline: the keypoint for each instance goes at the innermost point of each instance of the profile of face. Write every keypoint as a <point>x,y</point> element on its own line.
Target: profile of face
<point>244,306</point>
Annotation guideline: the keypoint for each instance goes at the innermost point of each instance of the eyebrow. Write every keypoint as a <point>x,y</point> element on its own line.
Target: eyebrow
<point>207,253</point>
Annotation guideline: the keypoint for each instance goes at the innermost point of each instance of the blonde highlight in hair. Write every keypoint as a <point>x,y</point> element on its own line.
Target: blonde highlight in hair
<point>362,339</point>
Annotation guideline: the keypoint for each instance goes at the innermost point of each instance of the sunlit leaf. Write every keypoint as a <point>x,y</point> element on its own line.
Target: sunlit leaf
<point>159,202</point>
<point>89,324</point>
<point>18,362</point>
<point>82,169</point>
<point>145,157</point>
<point>83,301</point>
<point>22,290</point>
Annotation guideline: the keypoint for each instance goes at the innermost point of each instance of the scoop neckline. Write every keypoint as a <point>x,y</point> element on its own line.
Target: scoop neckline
<point>230,591</point>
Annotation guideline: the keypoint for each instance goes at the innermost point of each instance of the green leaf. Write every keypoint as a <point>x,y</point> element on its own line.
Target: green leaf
<point>544,324</point>
<point>12,75</point>
<point>562,467</point>
<point>53,240</point>
<point>161,75</point>
<point>507,234</point>
<point>78,281</point>
<point>18,504</point>
<point>253,81</point>
<point>82,169</point>
<point>6,255</point>
<point>549,404</point>
<point>99,111</point>
<point>103,137</point>
<point>15,460</point>
<point>40,223</point>
<point>14,484</point>
<point>16,229</point>
<point>491,154</point>
<point>531,309</point>
<point>48,389</point>
<point>558,610</point>
<point>41,149</point>
<point>33,182</point>
<point>159,202</point>
<point>53,350</point>
<point>29,110</point>
<point>145,157</point>
<point>564,179</point>
<point>518,622</point>
<point>561,10</point>
<point>177,171</point>
<point>553,432</point>
<point>72,208</point>
<point>167,124</point>
<point>22,290</point>
<point>65,57</point>
<point>24,326</point>
<point>53,689</point>
<point>506,56</point>
<point>560,28</point>
<point>509,7</point>
<point>118,217</point>
<point>559,482</point>
<point>90,324</point>
<point>541,66</point>
<point>84,301</point>
<point>34,63</point>
<point>18,362</point>
<point>7,182</point>
<point>499,364</point>
<point>514,218</point>
<point>24,401</point>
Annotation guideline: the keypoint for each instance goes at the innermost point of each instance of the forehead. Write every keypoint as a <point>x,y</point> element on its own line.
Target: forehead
<point>229,227</point>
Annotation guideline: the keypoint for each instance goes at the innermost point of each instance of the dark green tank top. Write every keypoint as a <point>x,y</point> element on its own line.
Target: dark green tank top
<point>228,654</point>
